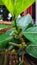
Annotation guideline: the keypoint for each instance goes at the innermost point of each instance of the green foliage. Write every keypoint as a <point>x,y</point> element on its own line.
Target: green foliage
<point>3,26</point>
<point>1,3</point>
<point>31,49</point>
<point>24,21</point>
<point>5,38</point>
<point>31,34</point>
<point>16,7</point>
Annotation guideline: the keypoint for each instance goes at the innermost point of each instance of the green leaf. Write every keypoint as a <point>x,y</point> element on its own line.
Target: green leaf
<point>16,7</point>
<point>24,21</point>
<point>3,26</point>
<point>30,25</point>
<point>9,4</point>
<point>5,38</point>
<point>1,3</point>
<point>32,49</point>
<point>31,34</point>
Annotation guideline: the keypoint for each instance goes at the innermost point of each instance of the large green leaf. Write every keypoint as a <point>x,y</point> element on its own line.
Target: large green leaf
<point>3,26</point>
<point>1,3</point>
<point>32,49</point>
<point>16,7</point>
<point>31,34</point>
<point>5,38</point>
<point>24,21</point>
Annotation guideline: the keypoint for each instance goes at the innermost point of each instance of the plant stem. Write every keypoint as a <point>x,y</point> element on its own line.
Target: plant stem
<point>15,22</point>
<point>5,59</point>
<point>14,44</point>
<point>17,45</point>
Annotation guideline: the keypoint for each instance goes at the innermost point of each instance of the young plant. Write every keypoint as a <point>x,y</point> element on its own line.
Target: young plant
<point>21,30</point>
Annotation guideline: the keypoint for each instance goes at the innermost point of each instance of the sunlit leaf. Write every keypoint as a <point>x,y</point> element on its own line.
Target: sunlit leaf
<point>16,7</point>
<point>1,3</point>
